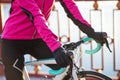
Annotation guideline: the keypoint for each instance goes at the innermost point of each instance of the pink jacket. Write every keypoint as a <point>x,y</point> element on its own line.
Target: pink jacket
<point>19,27</point>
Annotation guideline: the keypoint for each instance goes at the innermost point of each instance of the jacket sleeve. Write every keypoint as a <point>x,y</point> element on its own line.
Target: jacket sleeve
<point>74,14</point>
<point>40,23</point>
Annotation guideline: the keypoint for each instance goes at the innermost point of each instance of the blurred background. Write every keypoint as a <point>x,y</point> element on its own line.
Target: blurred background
<point>103,15</point>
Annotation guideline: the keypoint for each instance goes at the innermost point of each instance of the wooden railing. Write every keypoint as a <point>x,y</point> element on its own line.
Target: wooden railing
<point>8,1</point>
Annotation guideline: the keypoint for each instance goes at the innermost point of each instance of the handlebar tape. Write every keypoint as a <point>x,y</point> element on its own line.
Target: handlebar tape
<point>93,50</point>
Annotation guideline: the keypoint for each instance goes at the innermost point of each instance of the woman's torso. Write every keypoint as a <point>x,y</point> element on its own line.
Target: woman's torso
<point>19,26</point>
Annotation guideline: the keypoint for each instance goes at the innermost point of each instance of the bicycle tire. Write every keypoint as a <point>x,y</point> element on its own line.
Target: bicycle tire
<point>92,75</point>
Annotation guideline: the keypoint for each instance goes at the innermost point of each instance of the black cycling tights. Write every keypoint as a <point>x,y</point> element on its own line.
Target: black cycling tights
<point>13,52</point>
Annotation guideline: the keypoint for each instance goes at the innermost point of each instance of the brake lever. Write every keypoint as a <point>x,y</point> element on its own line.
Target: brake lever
<point>107,45</point>
<point>106,41</point>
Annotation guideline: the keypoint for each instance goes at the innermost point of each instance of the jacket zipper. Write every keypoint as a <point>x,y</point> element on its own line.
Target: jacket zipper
<point>34,34</point>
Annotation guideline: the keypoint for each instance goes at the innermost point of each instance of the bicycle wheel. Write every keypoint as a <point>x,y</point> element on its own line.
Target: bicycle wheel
<point>91,75</point>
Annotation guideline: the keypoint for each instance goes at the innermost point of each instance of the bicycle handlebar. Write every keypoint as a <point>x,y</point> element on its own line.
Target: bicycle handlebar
<point>94,50</point>
<point>72,45</point>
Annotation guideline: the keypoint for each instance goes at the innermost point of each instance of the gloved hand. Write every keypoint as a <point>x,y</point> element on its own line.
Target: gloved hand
<point>99,37</point>
<point>62,58</point>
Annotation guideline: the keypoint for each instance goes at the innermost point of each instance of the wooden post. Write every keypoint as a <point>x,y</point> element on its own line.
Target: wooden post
<point>0,20</point>
<point>1,67</point>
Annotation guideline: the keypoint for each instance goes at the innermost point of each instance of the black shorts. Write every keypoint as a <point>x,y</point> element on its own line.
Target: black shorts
<point>13,52</point>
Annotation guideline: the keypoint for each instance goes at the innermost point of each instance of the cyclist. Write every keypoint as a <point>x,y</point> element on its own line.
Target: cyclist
<point>26,32</point>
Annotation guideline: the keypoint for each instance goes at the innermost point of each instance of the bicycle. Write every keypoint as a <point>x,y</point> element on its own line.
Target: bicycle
<point>77,73</point>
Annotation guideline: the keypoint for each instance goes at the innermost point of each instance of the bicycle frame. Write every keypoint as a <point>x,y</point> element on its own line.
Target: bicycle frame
<point>60,74</point>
